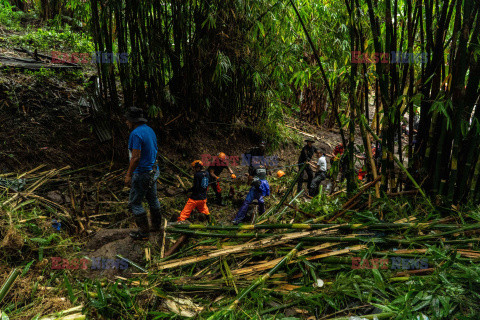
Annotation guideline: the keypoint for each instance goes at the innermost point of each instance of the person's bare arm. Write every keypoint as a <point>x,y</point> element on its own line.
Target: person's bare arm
<point>132,166</point>
<point>230,170</point>
<point>212,174</point>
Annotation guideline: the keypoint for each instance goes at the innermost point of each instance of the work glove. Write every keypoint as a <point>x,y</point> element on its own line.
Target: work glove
<point>233,176</point>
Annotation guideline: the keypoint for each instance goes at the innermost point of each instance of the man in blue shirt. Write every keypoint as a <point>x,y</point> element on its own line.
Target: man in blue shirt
<point>142,173</point>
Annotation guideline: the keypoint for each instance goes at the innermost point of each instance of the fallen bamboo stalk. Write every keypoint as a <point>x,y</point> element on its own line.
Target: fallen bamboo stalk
<point>348,204</point>
<point>264,243</point>
<point>181,182</point>
<point>176,167</point>
<point>239,235</point>
<point>284,198</point>
<point>69,314</point>
<point>269,264</point>
<point>289,204</point>
<point>132,263</point>
<point>350,238</point>
<point>258,282</point>
<point>227,235</point>
<point>164,235</point>
<point>176,245</point>
<point>298,210</point>
<point>306,226</point>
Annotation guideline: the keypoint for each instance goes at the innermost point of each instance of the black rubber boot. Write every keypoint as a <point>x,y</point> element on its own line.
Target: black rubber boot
<point>156,217</point>
<point>142,232</point>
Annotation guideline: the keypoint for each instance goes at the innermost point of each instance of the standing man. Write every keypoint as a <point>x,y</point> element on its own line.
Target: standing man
<point>215,170</point>
<point>305,156</point>
<point>198,197</point>
<point>319,176</point>
<point>260,188</point>
<point>255,157</point>
<point>142,173</point>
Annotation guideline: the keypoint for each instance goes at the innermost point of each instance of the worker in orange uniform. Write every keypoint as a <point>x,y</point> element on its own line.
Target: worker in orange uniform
<point>198,197</point>
<point>215,170</point>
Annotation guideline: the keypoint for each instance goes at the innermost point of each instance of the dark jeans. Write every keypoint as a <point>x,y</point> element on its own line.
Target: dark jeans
<point>252,195</point>
<point>143,187</point>
<point>313,188</point>
<point>309,171</point>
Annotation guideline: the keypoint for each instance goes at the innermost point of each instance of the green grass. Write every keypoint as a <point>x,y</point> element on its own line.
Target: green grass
<point>49,39</point>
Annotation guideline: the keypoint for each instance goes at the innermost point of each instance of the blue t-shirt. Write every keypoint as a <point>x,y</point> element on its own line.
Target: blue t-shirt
<point>144,139</point>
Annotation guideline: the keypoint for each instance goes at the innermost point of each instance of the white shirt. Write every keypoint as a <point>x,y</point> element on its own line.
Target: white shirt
<point>322,164</point>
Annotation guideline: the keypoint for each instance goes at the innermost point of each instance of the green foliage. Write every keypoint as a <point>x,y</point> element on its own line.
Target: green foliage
<point>272,128</point>
<point>41,74</point>
<point>8,17</point>
<point>50,39</point>
<point>321,205</point>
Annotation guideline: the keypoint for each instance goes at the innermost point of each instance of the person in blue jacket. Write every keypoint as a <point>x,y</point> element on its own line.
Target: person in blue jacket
<point>260,188</point>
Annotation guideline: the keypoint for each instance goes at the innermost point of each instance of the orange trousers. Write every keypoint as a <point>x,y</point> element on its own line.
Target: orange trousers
<point>200,205</point>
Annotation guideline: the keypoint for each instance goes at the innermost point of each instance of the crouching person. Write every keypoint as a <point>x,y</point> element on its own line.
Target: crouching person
<point>198,197</point>
<point>260,188</point>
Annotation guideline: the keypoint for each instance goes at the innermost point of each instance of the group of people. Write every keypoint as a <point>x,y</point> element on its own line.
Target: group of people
<point>143,172</point>
<point>210,177</point>
<point>305,160</point>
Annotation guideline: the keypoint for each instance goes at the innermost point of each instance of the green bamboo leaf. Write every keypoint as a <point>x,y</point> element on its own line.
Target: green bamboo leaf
<point>422,305</point>
<point>261,28</point>
<point>71,295</point>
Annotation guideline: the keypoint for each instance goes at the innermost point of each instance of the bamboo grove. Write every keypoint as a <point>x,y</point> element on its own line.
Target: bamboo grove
<point>187,57</point>
<point>256,60</point>
<point>444,154</point>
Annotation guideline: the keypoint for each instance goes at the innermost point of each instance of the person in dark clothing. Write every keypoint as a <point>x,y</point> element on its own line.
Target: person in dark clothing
<point>142,173</point>
<point>255,157</point>
<point>305,156</point>
<point>214,172</point>
<point>260,188</point>
<point>198,197</point>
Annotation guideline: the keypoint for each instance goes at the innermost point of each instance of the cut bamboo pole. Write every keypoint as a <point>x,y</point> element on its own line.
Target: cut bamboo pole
<point>132,263</point>
<point>176,245</point>
<point>270,264</point>
<point>289,204</point>
<point>261,280</point>
<point>306,226</point>
<point>349,203</point>
<point>284,198</point>
<point>176,167</point>
<point>164,234</point>
<point>264,243</point>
